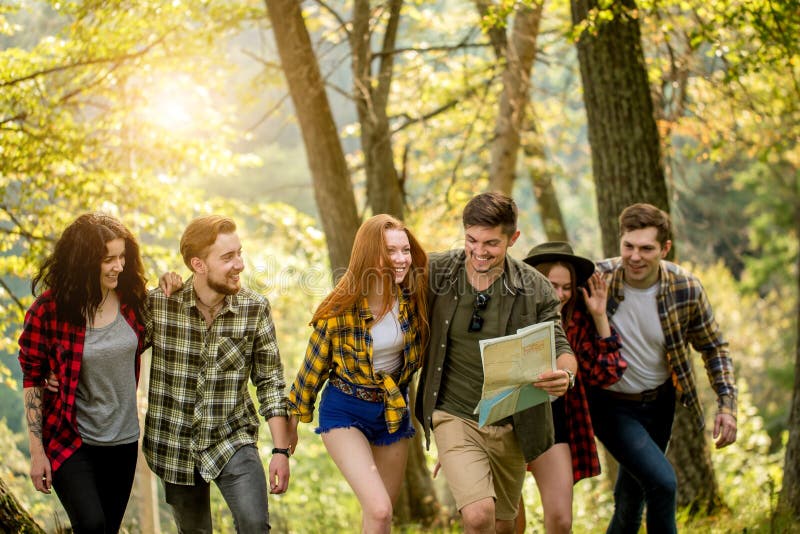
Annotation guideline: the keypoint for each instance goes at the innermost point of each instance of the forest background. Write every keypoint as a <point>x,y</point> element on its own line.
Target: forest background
<point>299,119</point>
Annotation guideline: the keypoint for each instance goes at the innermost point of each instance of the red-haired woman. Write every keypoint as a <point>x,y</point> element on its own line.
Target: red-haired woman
<point>574,454</point>
<point>86,329</point>
<point>368,340</point>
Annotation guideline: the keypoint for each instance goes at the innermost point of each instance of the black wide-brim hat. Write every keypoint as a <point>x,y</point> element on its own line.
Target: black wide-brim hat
<point>554,251</point>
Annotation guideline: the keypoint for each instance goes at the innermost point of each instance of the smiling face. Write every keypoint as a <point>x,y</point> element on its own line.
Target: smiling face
<point>399,250</point>
<point>223,264</point>
<point>112,264</point>
<point>641,254</point>
<point>486,248</point>
<point>561,279</point>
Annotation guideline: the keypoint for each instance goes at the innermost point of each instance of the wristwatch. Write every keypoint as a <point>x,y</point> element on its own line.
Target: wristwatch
<point>286,452</point>
<point>571,378</point>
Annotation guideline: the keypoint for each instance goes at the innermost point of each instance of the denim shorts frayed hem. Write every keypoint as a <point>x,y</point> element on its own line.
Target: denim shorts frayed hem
<point>380,441</point>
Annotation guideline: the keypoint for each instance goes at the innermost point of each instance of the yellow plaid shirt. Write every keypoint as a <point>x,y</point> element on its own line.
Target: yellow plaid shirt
<point>342,346</point>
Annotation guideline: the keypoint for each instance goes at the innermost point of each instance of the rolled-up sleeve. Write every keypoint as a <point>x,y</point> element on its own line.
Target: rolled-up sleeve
<point>267,373</point>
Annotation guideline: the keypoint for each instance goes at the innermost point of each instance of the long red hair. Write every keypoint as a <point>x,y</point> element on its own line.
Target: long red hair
<point>370,270</point>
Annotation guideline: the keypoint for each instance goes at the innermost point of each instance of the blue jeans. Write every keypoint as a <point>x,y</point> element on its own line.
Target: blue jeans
<point>637,435</point>
<point>243,485</point>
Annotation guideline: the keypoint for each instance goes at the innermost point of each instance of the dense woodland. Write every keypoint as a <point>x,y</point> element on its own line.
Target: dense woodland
<point>301,118</point>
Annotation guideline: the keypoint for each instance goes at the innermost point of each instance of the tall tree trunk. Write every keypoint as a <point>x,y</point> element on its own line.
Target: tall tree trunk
<point>518,53</point>
<point>13,517</point>
<point>689,455</point>
<point>627,168</point>
<point>789,500</point>
<point>626,160</point>
<point>513,114</point>
<point>384,191</point>
<point>332,187</point>
<point>417,500</point>
<point>542,183</point>
<point>333,190</point>
<point>145,489</point>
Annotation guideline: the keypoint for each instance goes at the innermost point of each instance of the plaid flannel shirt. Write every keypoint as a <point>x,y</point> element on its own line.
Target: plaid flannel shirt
<point>686,318</point>
<point>199,407</point>
<point>599,364</point>
<point>47,344</point>
<point>342,345</point>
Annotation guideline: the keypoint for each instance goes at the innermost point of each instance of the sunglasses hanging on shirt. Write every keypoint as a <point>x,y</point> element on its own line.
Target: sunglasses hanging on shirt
<point>476,321</point>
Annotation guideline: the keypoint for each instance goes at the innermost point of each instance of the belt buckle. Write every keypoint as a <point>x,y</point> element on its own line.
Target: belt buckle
<point>649,395</point>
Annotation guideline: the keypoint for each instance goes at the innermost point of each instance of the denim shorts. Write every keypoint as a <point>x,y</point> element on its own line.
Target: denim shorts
<point>340,410</point>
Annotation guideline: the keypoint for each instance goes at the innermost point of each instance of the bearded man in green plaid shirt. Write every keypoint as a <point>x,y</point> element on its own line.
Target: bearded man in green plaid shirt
<point>209,338</point>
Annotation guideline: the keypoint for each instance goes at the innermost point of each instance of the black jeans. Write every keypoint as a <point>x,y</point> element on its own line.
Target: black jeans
<point>94,485</point>
<point>637,435</point>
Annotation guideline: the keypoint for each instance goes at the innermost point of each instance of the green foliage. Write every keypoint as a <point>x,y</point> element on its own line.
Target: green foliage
<point>46,509</point>
<point>318,489</point>
<point>107,109</point>
<point>728,78</point>
<point>761,334</point>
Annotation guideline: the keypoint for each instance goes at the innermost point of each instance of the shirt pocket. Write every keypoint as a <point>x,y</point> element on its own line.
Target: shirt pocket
<point>233,353</point>
<point>354,359</point>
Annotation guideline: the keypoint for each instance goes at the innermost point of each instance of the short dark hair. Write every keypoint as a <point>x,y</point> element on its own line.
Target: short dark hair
<point>201,234</point>
<point>642,215</point>
<point>490,210</point>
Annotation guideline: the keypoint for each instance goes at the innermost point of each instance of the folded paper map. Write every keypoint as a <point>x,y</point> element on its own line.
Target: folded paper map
<point>510,364</point>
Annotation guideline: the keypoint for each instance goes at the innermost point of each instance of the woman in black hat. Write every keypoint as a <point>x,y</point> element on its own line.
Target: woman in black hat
<point>596,345</point>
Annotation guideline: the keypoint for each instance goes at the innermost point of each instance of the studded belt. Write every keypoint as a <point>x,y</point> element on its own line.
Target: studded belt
<point>360,392</point>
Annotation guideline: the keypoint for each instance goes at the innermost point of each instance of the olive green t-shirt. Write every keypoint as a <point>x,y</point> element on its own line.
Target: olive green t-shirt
<point>462,376</point>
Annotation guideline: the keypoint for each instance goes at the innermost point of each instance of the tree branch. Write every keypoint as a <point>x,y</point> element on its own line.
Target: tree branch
<point>12,295</point>
<point>426,49</point>
<point>387,60</point>
<point>467,135</point>
<point>85,63</point>
<point>496,35</point>
<point>21,232</point>
<point>342,23</point>
<point>471,91</point>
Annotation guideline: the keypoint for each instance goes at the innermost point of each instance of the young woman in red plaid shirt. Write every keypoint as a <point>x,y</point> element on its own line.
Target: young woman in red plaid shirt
<point>85,332</point>
<point>596,346</point>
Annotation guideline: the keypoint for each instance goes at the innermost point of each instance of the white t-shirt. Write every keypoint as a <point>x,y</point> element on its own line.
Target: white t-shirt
<point>387,342</point>
<point>639,327</point>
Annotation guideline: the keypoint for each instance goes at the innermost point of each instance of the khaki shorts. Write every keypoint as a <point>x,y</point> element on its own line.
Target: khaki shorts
<point>480,462</point>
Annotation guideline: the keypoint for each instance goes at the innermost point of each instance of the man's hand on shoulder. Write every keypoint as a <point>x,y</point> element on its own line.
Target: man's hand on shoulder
<point>170,282</point>
<point>724,430</point>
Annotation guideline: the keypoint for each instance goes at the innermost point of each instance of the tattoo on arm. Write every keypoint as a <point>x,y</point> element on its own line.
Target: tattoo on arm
<point>33,411</point>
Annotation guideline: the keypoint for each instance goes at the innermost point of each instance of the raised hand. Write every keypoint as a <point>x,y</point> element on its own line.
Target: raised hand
<point>596,303</point>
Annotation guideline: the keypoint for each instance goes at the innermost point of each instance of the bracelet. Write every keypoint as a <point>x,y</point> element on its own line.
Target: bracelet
<point>286,452</point>
<point>571,377</point>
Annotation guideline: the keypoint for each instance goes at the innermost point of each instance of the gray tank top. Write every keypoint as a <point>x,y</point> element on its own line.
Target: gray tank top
<point>105,402</point>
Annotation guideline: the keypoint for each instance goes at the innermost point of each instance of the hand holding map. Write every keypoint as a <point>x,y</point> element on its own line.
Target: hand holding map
<point>510,365</point>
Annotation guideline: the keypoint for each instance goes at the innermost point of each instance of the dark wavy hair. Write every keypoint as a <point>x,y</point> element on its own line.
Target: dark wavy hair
<point>72,270</point>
